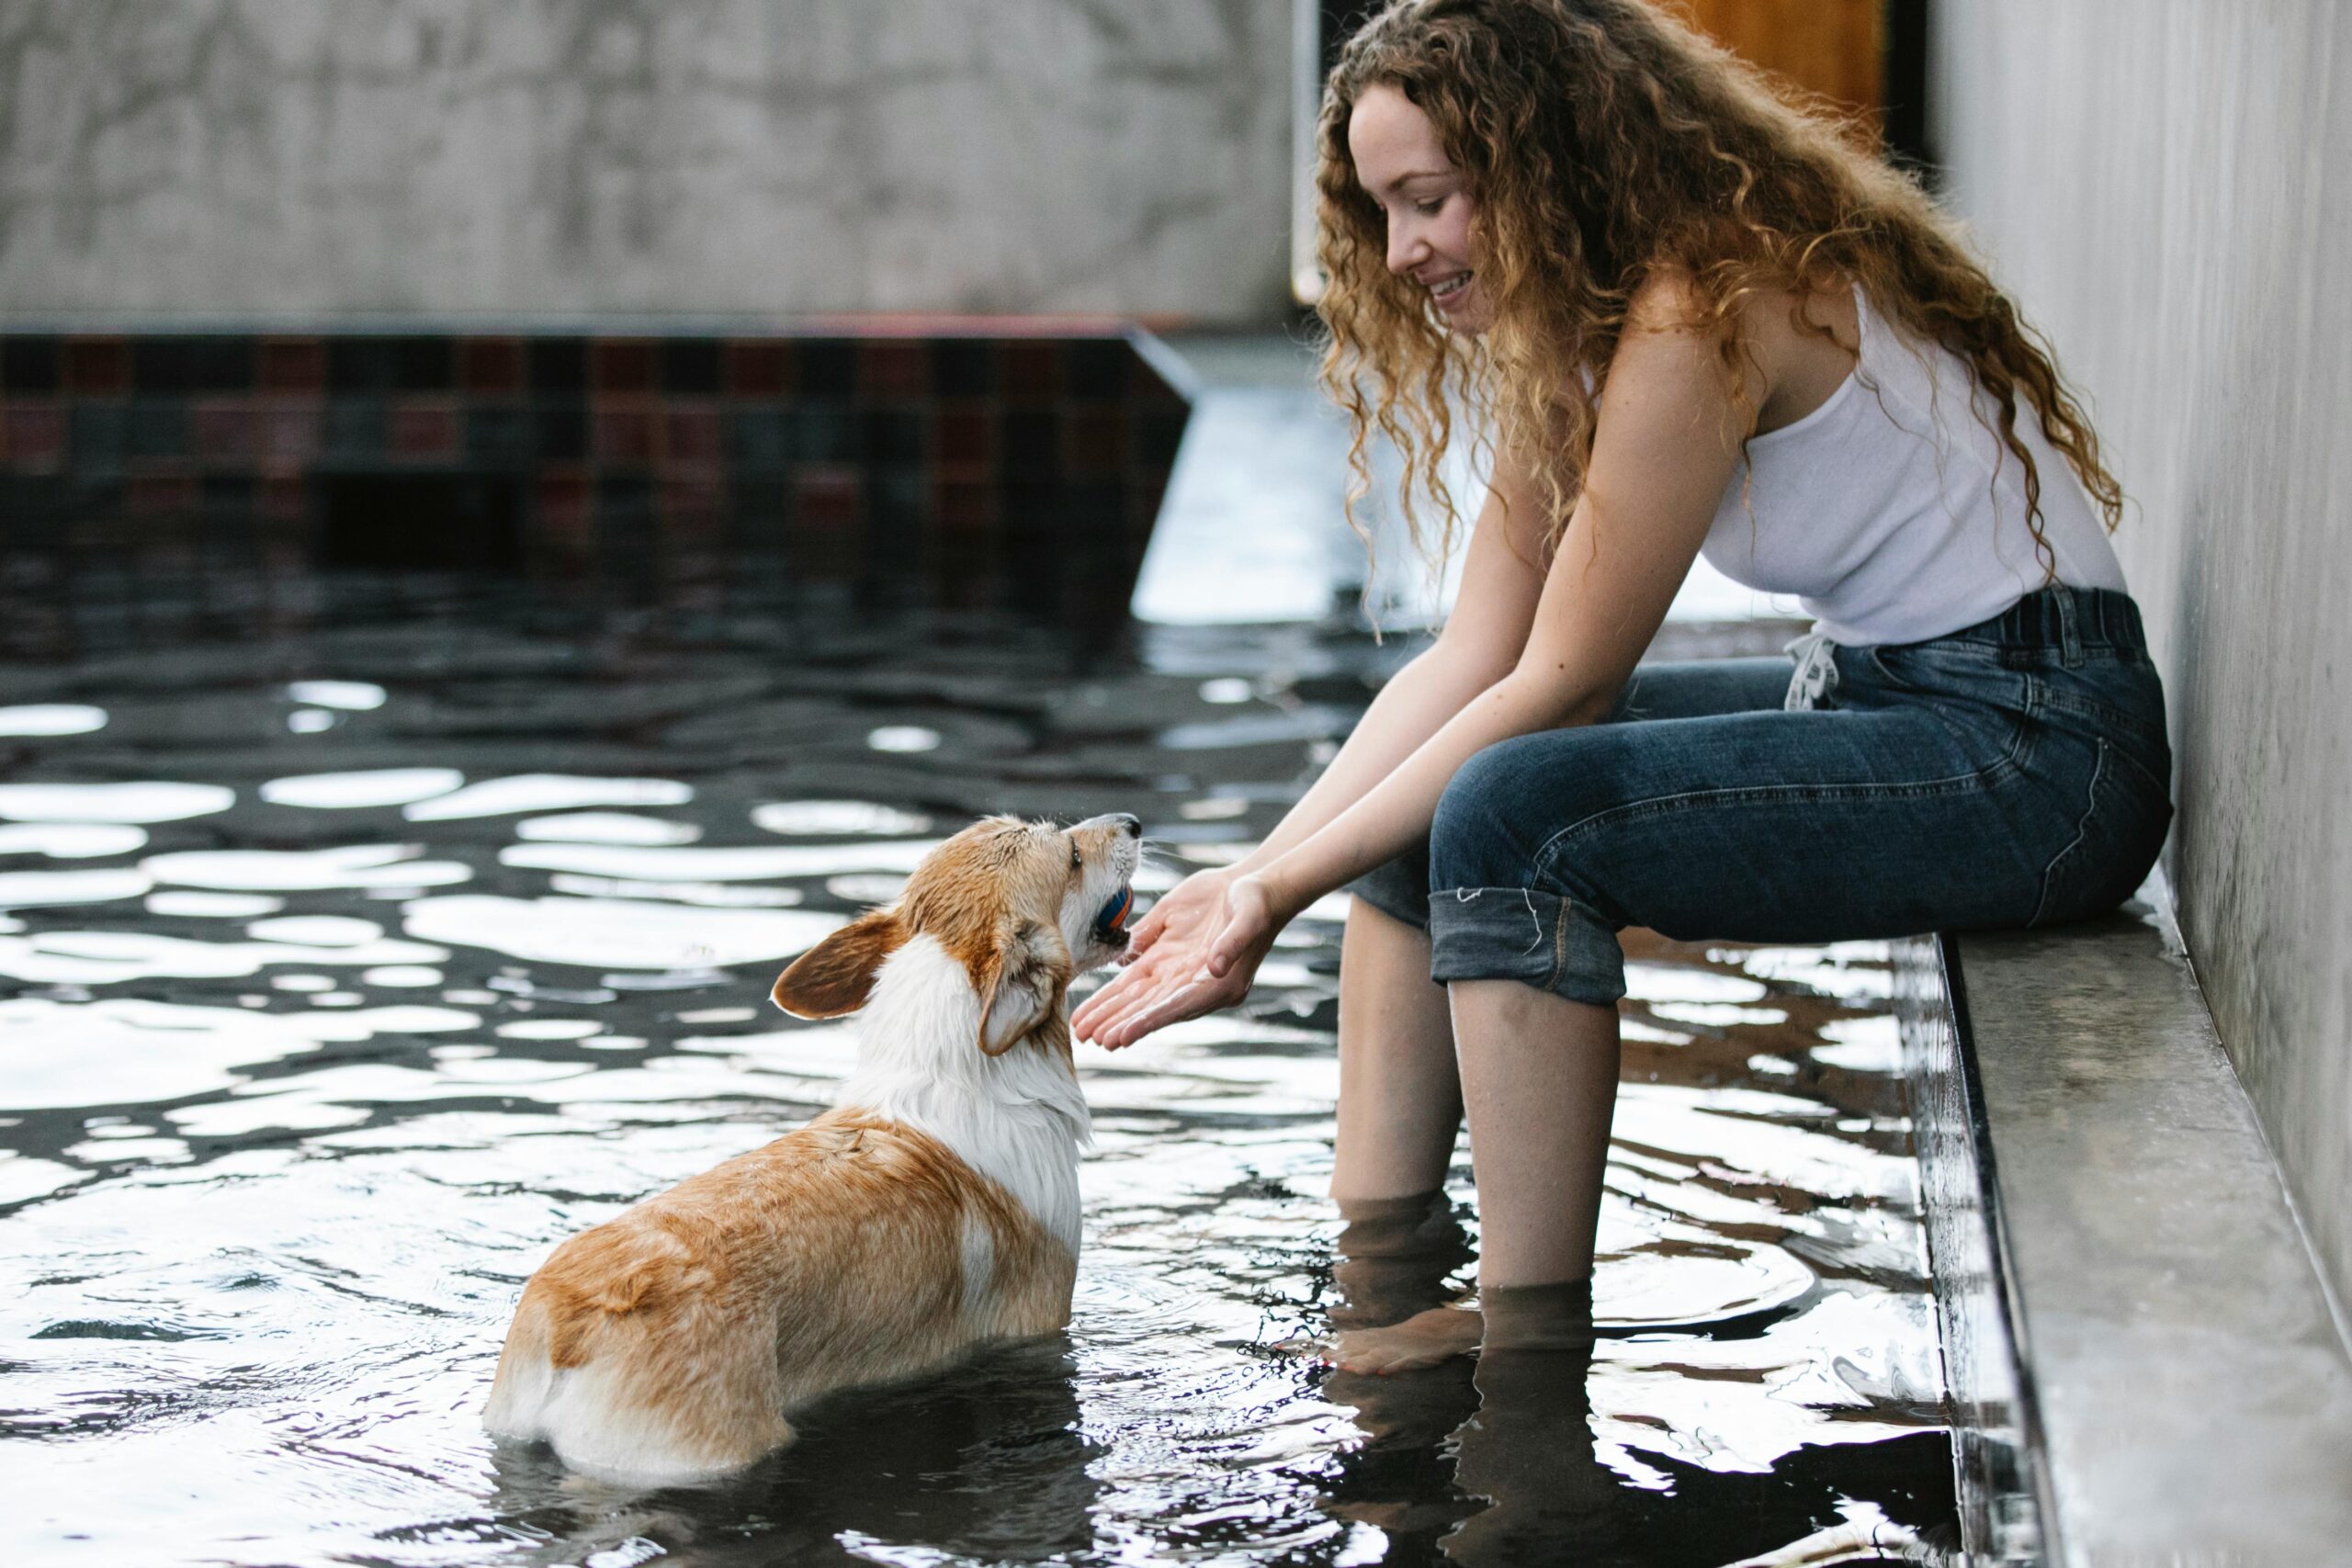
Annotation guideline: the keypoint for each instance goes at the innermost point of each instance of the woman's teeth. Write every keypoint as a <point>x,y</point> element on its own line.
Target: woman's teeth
<point>1451,287</point>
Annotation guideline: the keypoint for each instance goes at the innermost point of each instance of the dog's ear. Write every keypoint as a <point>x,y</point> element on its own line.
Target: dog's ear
<point>837,974</point>
<point>1020,982</point>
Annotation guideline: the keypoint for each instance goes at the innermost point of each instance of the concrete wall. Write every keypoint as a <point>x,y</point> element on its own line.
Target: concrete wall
<point>2161,184</point>
<point>504,159</point>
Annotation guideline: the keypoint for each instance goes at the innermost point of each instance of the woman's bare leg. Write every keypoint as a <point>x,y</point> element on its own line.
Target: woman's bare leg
<point>1539,1077</point>
<point>1400,1096</point>
<point>1400,1110</point>
<point>1539,1081</point>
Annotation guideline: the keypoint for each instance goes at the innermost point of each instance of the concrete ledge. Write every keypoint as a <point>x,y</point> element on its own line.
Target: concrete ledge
<point>2144,1364</point>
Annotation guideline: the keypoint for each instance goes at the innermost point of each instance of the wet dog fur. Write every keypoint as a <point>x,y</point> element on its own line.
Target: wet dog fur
<point>935,1209</point>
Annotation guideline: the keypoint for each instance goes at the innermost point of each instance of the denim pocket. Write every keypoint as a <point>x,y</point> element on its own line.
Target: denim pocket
<point>2121,829</point>
<point>1949,668</point>
<point>1983,701</point>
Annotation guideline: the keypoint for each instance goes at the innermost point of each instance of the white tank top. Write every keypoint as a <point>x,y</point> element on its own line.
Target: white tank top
<point>1892,513</point>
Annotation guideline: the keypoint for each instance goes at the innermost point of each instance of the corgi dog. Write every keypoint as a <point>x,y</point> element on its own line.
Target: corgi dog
<point>935,1208</point>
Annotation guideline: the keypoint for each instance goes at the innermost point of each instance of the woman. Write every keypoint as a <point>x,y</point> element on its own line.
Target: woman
<point>1694,319</point>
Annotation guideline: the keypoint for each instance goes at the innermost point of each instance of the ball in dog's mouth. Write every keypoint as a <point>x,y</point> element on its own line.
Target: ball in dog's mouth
<point>1111,925</point>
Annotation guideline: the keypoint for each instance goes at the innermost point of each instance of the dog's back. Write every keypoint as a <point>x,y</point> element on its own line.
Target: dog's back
<point>668,1343</point>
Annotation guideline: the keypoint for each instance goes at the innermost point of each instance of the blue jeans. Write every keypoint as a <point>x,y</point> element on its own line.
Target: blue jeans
<point>2013,773</point>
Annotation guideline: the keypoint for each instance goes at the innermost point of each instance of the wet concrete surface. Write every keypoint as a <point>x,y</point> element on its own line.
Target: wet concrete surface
<point>2186,1395</point>
<point>346,968</point>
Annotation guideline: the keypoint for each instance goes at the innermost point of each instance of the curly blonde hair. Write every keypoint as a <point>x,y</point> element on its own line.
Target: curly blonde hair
<point>1601,142</point>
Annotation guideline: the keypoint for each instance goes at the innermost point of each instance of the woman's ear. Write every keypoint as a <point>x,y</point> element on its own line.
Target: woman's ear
<point>837,974</point>
<point>1022,982</point>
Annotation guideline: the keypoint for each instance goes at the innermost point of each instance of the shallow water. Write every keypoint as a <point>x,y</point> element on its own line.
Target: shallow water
<point>349,967</point>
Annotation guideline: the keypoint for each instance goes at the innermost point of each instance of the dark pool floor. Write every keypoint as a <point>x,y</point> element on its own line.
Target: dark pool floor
<point>349,963</point>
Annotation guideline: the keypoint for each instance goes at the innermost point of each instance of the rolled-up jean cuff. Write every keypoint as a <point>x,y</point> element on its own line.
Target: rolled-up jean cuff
<point>1397,890</point>
<point>1525,933</point>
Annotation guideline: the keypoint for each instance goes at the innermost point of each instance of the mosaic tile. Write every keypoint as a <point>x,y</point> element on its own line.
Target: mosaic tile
<point>874,462</point>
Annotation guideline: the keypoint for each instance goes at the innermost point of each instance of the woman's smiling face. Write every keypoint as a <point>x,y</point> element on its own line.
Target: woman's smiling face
<point>1401,165</point>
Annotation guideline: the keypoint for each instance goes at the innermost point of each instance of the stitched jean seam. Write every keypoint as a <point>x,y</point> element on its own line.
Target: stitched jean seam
<point>2082,831</point>
<point>1548,854</point>
<point>2010,764</point>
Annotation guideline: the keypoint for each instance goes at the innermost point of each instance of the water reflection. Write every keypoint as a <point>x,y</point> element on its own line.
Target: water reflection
<point>355,792</point>
<point>87,802</point>
<point>606,828</point>
<point>338,1033</point>
<point>545,792</point>
<point>306,871</point>
<point>70,840</point>
<point>51,718</point>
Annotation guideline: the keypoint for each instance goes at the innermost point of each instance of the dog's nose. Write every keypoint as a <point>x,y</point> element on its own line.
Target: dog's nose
<point>1131,827</point>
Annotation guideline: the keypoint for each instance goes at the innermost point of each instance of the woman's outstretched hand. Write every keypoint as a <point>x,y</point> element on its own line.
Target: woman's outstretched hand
<point>1195,953</point>
<point>1169,946</point>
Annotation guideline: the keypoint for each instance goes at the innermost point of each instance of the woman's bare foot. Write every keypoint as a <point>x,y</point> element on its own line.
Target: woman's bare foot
<point>1394,1257</point>
<point>1423,1339</point>
<point>1515,1317</point>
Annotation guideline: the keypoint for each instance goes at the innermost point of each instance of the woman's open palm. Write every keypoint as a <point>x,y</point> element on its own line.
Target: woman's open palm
<point>1167,977</point>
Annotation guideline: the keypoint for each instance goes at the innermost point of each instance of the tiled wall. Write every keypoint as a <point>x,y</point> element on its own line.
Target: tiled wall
<point>953,470</point>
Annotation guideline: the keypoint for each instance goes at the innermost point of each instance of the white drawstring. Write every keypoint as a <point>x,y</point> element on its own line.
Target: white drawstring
<point>1817,672</point>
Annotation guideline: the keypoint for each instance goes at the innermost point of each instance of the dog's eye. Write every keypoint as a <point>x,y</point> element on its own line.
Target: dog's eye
<point>1077,861</point>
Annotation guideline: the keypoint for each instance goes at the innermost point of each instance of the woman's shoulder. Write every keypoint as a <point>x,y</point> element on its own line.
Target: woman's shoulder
<point>1667,299</point>
<point>1793,348</point>
<point>1670,298</point>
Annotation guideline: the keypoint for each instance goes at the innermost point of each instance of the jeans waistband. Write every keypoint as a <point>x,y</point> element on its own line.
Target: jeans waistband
<point>2065,618</point>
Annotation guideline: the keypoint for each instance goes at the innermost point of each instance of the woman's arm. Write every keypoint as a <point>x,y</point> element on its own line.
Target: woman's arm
<point>1664,449</point>
<point>1483,638</point>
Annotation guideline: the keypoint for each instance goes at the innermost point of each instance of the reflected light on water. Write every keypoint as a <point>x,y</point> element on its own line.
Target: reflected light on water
<point>358,790</point>
<point>606,828</point>
<point>545,792</point>
<point>837,819</point>
<point>306,871</point>
<point>70,840</point>
<point>51,718</point>
<point>142,803</point>
<point>352,697</point>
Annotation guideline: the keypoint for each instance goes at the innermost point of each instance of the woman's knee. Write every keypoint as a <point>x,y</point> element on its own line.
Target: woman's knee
<point>1481,834</point>
<point>1502,818</point>
<point>1495,911</point>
